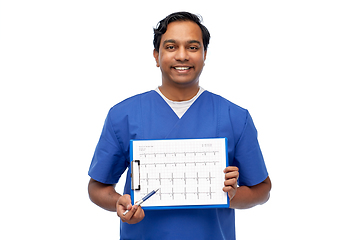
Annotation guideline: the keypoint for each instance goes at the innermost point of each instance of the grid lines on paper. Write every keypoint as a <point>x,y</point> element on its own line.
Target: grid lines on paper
<point>187,173</point>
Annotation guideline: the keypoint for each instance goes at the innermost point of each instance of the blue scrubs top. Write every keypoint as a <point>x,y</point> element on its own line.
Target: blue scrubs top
<point>148,116</point>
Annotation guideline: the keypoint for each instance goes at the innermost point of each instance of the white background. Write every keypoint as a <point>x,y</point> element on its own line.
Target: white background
<point>294,64</point>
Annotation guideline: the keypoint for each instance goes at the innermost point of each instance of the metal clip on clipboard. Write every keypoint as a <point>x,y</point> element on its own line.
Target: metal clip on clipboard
<point>135,175</point>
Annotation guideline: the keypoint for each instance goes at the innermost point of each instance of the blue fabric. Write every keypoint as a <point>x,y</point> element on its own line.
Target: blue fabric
<point>148,116</point>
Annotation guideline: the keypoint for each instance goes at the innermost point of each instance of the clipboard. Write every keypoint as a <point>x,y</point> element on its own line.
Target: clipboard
<point>189,173</point>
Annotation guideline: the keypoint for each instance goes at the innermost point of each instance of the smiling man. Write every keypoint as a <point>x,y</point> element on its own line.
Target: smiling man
<point>180,56</point>
<point>179,109</point>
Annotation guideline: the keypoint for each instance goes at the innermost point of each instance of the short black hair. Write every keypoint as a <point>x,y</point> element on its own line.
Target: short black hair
<point>180,16</point>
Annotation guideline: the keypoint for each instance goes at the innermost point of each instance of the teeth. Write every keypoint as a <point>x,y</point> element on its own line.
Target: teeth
<point>182,68</point>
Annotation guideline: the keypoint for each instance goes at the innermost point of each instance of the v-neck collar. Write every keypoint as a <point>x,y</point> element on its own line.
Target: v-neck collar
<point>191,102</point>
<point>159,121</point>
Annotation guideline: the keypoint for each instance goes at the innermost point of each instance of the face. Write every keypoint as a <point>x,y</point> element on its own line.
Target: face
<point>181,54</point>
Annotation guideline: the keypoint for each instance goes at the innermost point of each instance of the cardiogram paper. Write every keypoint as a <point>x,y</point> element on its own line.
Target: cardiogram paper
<point>189,172</point>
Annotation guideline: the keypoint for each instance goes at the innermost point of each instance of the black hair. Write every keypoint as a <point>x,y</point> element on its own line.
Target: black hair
<point>180,16</point>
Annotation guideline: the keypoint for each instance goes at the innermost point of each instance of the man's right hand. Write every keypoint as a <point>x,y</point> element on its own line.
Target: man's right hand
<point>135,213</point>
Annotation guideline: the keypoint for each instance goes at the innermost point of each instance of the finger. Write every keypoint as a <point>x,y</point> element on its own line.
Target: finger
<point>140,214</point>
<point>228,188</point>
<point>232,175</point>
<point>136,216</point>
<point>231,182</point>
<point>127,215</point>
<point>230,191</point>
<point>128,209</point>
<point>231,169</point>
<point>123,204</point>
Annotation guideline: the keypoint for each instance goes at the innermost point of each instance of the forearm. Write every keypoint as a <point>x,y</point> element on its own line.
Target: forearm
<point>248,197</point>
<point>103,195</point>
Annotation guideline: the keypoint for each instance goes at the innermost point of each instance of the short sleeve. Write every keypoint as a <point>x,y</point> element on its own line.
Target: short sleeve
<point>248,155</point>
<point>109,161</point>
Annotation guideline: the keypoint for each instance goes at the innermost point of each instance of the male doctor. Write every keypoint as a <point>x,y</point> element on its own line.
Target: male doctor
<point>179,108</point>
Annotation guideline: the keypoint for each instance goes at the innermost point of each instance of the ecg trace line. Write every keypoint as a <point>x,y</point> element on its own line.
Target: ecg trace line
<point>178,153</point>
<point>179,163</point>
<point>172,178</point>
<point>186,193</point>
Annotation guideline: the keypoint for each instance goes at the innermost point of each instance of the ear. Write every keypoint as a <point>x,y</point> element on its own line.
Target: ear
<point>156,56</point>
<point>205,55</point>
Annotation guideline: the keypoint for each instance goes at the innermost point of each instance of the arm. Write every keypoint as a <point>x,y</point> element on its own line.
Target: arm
<point>245,197</point>
<point>105,196</point>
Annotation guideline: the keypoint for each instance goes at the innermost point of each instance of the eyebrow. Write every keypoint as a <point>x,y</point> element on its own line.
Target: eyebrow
<point>173,41</point>
<point>168,41</point>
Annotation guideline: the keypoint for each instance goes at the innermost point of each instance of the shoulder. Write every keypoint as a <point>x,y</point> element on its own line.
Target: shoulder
<point>227,105</point>
<point>132,103</point>
<point>130,109</point>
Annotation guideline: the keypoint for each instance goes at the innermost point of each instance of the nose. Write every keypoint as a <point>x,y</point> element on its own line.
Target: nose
<point>181,54</point>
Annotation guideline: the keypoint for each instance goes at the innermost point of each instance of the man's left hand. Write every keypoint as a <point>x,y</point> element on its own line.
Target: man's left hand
<point>231,177</point>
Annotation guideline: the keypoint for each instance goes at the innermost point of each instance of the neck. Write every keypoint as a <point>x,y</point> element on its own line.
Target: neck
<point>179,94</point>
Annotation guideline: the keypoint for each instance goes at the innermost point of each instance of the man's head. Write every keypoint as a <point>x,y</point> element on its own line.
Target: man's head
<point>180,50</point>
<point>179,16</point>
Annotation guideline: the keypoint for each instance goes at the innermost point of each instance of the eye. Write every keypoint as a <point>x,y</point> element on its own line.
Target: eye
<point>170,47</point>
<point>193,48</point>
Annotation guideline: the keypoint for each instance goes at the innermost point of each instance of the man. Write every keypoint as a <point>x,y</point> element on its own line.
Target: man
<point>179,108</point>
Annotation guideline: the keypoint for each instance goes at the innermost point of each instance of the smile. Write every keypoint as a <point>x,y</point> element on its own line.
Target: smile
<point>182,68</point>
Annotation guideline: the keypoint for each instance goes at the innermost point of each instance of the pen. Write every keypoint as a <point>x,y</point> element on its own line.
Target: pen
<point>143,199</point>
